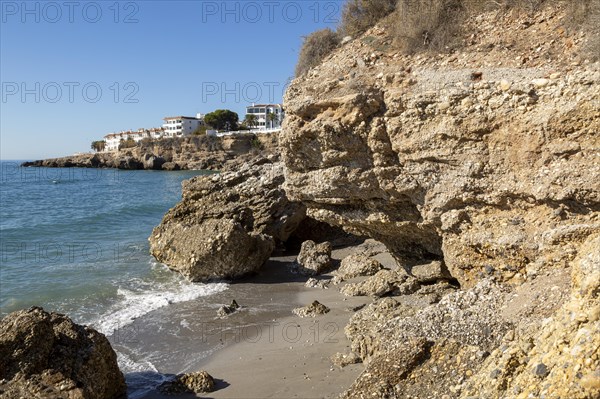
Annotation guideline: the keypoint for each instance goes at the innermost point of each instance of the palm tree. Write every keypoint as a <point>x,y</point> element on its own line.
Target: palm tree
<point>272,118</point>
<point>250,120</point>
<point>98,146</point>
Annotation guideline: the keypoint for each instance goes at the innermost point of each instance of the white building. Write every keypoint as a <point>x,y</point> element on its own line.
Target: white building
<point>176,126</point>
<point>263,121</point>
<point>180,126</point>
<point>113,140</point>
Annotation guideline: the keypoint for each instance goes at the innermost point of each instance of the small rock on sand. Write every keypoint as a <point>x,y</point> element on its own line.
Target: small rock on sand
<point>315,308</point>
<point>197,382</point>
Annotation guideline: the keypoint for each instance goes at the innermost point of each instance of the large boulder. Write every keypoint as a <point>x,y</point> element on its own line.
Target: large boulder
<point>46,355</point>
<point>314,258</point>
<point>358,264</point>
<point>430,272</point>
<point>227,224</point>
<point>381,283</point>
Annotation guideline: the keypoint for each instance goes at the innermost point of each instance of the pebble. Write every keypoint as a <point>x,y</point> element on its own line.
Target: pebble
<point>541,370</point>
<point>539,83</point>
<point>467,102</point>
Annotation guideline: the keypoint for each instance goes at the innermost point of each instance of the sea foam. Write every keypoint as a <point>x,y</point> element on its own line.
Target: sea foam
<point>134,304</point>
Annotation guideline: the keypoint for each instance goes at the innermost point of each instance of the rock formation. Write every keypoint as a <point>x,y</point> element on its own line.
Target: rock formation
<point>198,382</point>
<point>480,166</point>
<point>381,283</point>
<point>356,265</point>
<point>46,355</point>
<point>314,309</point>
<point>227,225</point>
<point>410,151</point>
<point>226,310</point>
<point>314,258</point>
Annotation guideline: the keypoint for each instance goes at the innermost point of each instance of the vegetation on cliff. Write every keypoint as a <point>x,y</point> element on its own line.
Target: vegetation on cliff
<point>438,25</point>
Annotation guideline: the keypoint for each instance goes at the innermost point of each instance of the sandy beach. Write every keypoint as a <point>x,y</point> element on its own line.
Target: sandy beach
<point>278,354</point>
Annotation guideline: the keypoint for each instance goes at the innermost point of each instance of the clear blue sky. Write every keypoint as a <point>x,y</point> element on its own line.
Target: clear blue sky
<point>149,59</point>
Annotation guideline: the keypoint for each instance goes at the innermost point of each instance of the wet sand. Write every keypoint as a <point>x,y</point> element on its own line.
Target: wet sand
<point>270,353</point>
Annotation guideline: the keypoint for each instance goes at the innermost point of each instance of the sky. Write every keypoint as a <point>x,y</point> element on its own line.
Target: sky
<point>73,71</point>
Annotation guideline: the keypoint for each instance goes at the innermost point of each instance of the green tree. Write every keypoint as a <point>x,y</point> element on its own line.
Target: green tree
<point>272,117</point>
<point>222,119</point>
<point>98,145</point>
<point>250,120</point>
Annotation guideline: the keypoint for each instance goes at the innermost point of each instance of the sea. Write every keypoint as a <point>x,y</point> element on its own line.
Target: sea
<point>75,241</point>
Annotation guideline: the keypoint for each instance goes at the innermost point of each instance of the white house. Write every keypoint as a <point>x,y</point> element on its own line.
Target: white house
<point>113,140</point>
<point>180,126</point>
<point>261,112</point>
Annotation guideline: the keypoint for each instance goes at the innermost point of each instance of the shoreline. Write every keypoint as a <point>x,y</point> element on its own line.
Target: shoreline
<point>172,154</point>
<point>292,353</point>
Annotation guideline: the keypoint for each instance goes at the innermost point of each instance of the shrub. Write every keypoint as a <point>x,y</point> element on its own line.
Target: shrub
<point>200,131</point>
<point>129,143</point>
<point>430,24</point>
<point>360,15</point>
<point>257,144</point>
<point>315,48</point>
<point>206,143</point>
<point>436,24</point>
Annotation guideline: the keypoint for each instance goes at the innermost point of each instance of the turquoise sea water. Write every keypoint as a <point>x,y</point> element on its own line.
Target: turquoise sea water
<point>75,241</point>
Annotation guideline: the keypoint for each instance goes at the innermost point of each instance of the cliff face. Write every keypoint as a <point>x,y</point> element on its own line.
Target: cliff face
<point>487,159</point>
<point>494,169</point>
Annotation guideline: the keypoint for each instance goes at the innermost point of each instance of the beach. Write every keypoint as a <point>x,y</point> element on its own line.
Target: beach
<point>265,351</point>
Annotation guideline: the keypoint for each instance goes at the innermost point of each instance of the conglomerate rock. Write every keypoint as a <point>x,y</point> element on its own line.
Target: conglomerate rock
<point>358,264</point>
<point>46,355</point>
<point>562,358</point>
<point>314,258</point>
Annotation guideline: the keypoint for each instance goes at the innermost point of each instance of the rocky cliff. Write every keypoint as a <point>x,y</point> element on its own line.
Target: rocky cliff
<point>185,153</point>
<point>494,169</point>
<point>486,159</point>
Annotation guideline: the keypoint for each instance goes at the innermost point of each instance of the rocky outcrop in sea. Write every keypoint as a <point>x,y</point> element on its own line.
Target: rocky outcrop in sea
<point>186,153</point>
